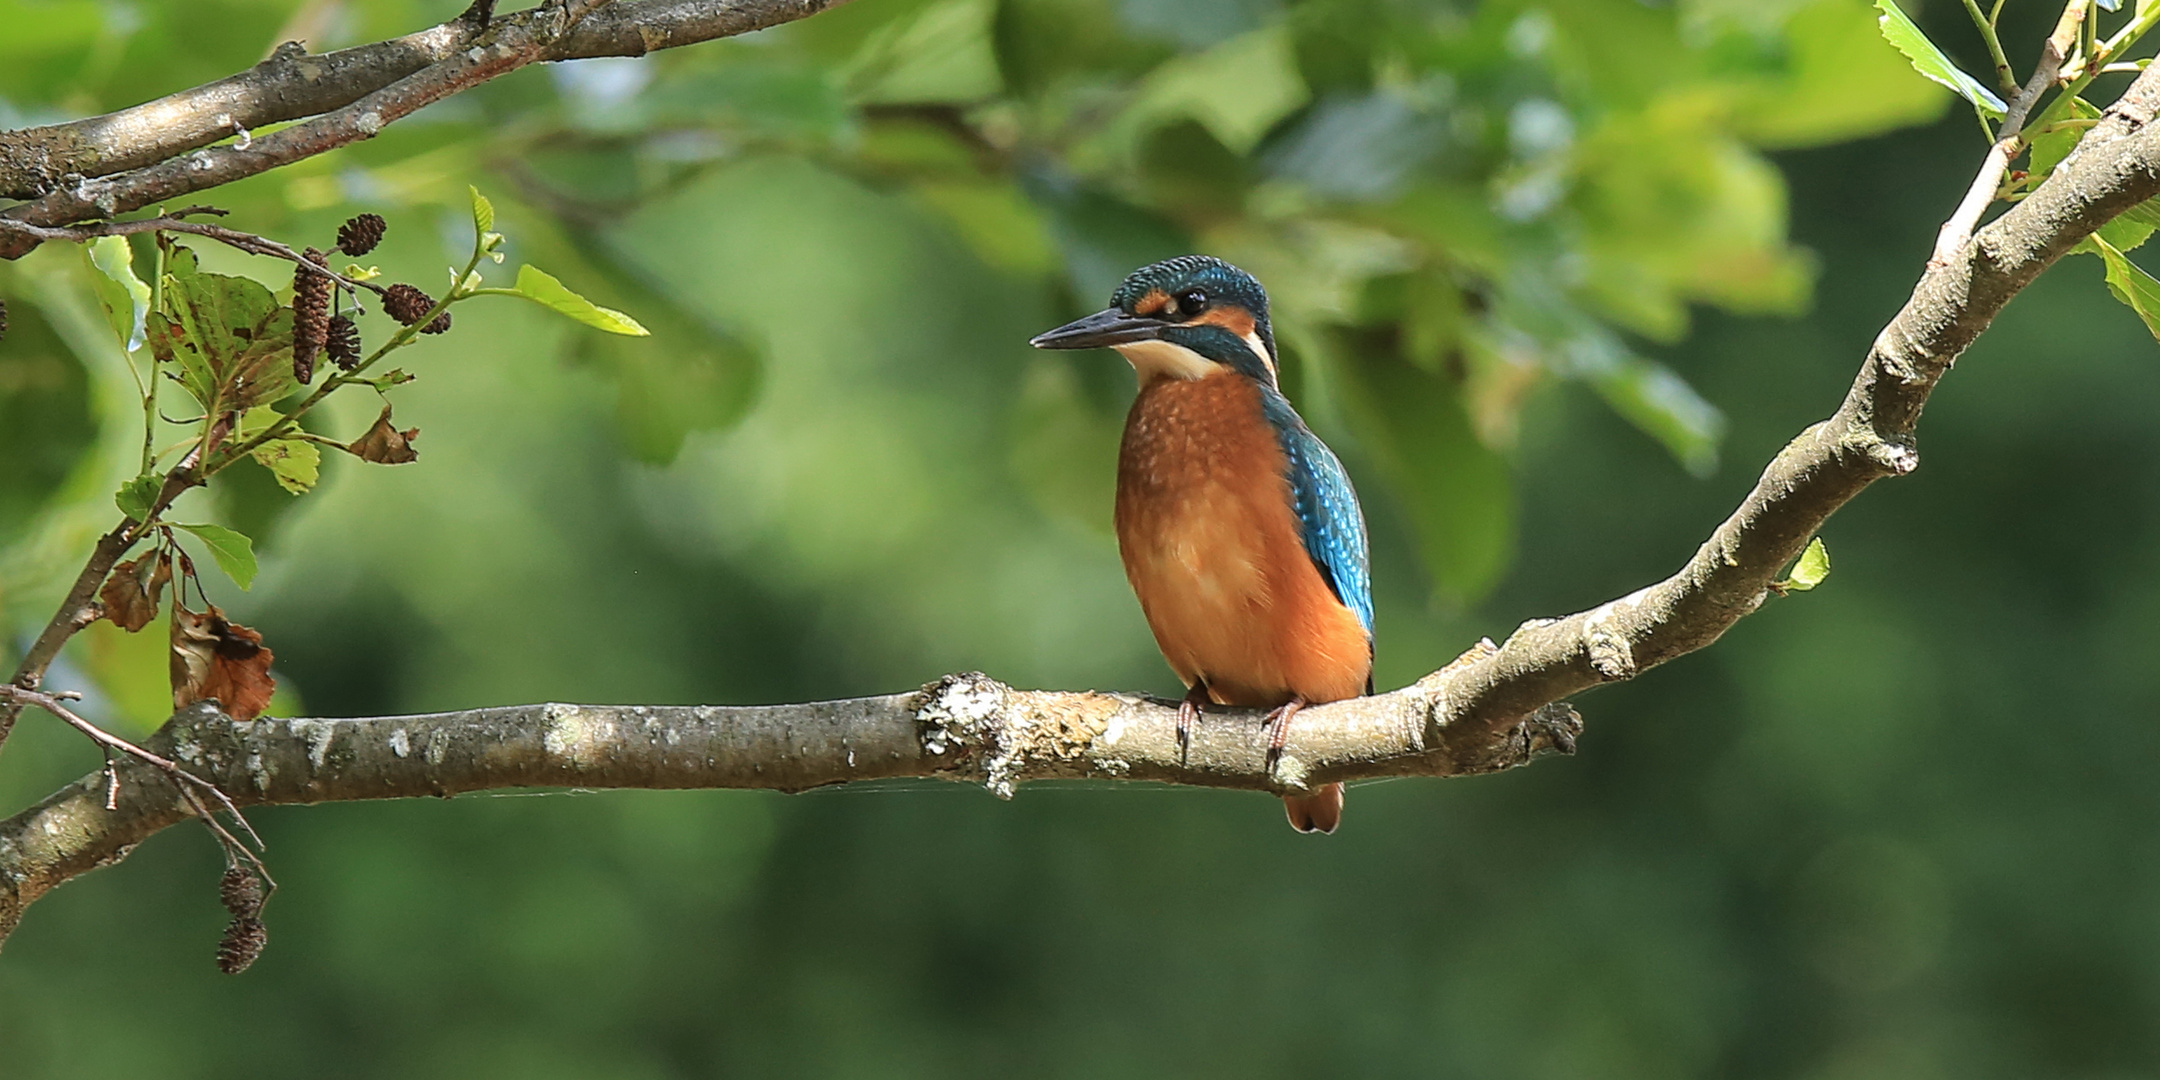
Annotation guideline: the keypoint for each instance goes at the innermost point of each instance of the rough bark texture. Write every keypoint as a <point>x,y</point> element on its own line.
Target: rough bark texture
<point>964,727</point>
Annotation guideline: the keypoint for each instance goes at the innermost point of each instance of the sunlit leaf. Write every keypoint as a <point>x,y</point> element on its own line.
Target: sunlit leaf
<point>125,298</point>
<point>136,496</point>
<point>483,212</point>
<point>1812,567</point>
<point>234,552</point>
<point>2131,285</point>
<point>1835,81</point>
<point>540,287</point>
<point>1928,60</point>
<point>296,463</point>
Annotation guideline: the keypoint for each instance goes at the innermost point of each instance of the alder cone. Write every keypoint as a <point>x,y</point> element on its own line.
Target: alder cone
<point>406,303</point>
<point>343,346</point>
<point>242,944</point>
<point>360,234</point>
<point>241,891</point>
<point>311,315</point>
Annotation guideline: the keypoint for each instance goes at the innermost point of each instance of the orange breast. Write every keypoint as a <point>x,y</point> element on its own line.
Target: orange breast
<point>1213,550</point>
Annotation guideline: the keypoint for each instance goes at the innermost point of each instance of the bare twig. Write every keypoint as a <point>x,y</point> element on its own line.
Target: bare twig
<point>187,785</point>
<point>245,241</point>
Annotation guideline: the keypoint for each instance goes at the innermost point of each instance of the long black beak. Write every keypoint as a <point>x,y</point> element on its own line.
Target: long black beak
<point>1101,330</point>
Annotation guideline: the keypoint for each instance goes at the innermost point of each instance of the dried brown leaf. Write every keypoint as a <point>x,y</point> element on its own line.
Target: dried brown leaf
<point>214,658</point>
<point>384,444</point>
<point>131,593</point>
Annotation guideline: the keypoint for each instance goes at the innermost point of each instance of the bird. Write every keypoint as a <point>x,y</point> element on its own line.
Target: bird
<point>1239,529</point>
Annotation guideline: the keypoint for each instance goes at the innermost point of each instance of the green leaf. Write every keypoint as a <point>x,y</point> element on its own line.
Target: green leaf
<point>2054,142</point>
<point>483,212</point>
<point>135,497</point>
<point>940,53</point>
<point>1237,90</point>
<point>228,339</point>
<point>234,552</point>
<point>1813,567</point>
<point>1832,81</point>
<point>296,463</point>
<point>541,288</point>
<point>2131,284</point>
<point>1928,60</point>
<point>123,295</point>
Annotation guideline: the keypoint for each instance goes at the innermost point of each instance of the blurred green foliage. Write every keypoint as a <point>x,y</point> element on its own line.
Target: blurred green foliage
<point>1534,278</point>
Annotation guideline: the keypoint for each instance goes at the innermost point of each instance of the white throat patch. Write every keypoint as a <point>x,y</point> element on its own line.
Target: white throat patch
<point>1162,360</point>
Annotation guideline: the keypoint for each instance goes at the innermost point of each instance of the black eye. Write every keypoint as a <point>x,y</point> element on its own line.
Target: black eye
<point>1191,303</point>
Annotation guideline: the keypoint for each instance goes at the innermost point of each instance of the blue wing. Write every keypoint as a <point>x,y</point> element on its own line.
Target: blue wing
<point>1327,508</point>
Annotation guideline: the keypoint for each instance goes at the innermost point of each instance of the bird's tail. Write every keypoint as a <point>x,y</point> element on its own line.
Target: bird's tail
<point>1320,811</point>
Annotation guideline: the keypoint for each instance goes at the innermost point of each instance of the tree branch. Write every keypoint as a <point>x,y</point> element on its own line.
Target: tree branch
<point>352,94</point>
<point>963,727</point>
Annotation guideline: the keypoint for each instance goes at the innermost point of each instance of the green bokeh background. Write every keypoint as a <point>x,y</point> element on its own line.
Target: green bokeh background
<point>1900,827</point>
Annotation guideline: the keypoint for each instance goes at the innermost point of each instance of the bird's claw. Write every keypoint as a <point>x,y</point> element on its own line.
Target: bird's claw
<point>1188,710</point>
<point>1278,729</point>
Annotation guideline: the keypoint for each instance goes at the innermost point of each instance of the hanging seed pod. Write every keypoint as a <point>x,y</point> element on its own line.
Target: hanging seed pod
<point>241,891</point>
<point>343,346</point>
<point>311,315</point>
<point>406,303</point>
<point>242,944</point>
<point>359,235</point>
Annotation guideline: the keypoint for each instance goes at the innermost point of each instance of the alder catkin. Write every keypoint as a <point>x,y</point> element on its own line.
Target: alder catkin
<point>343,345</point>
<point>360,234</point>
<point>242,945</point>
<point>311,315</point>
<point>3,318</point>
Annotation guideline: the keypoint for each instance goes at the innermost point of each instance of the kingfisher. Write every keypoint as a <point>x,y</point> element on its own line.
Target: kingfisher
<point>1239,529</point>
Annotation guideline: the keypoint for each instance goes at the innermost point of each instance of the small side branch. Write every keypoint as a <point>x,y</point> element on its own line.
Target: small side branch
<point>108,165</point>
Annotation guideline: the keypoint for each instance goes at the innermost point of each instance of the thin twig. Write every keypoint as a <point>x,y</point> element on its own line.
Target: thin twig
<point>2009,140</point>
<point>170,223</point>
<point>2003,76</point>
<point>188,783</point>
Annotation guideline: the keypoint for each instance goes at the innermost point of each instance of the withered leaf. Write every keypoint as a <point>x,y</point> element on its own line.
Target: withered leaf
<point>384,444</point>
<point>131,593</point>
<point>214,658</point>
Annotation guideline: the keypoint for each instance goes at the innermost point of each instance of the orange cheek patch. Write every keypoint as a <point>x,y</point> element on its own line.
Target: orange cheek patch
<point>1236,320</point>
<point>1153,304</point>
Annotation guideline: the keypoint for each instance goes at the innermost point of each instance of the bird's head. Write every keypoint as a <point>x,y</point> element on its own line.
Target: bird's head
<point>1182,318</point>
